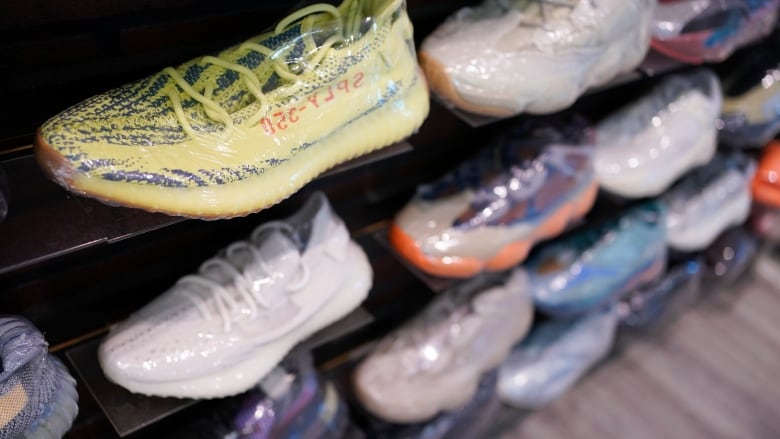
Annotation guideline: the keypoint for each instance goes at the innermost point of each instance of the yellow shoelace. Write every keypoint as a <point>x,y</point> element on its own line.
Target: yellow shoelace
<point>286,71</point>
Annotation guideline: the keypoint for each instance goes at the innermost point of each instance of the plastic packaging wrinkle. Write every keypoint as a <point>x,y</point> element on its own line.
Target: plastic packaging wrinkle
<point>584,270</point>
<point>698,31</point>
<point>554,356</point>
<point>643,148</point>
<point>507,57</point>
<point>227,135</point>
<point>434,362</point>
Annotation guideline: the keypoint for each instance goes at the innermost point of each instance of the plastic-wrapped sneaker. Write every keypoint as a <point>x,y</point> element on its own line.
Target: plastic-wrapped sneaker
<point>708,201</point>
<point>730,256</point>
<point>38,396</point>
<point>535,56</point>
<point>470,421</point>
<point>653,304</point>
<point>751,107</point>
<point>643,148</point>
<point>295,403</point>
<point>487,213</point>
<point>766,184</point>
<point>218,332</point>
<point>555,355</point>
<point>583,270</point>
<point>227,135</point>
<point>434,363</point>
<point>697,31</point>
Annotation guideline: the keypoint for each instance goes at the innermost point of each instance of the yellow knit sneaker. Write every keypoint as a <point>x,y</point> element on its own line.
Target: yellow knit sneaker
<point>227,135</point>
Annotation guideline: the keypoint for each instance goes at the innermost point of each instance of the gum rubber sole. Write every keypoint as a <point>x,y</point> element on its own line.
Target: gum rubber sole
<point>510,255</point>
<point>378,129</point>
<point>441,83</point>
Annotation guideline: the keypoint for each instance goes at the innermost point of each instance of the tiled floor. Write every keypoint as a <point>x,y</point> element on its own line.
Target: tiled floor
<point>713,373</point>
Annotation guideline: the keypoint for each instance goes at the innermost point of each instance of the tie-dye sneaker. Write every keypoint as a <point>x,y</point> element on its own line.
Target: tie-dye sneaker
<point>697,31</point>
<point>504,57</point>
<point>588,268</point>
<point>37,394</point>
<point>434,362</point>
<point>708,201</point>
<point>555,355</point>
<point>227,135</point>
<point>488,213</point>
<point>643,148</point>
<point>751,105</point>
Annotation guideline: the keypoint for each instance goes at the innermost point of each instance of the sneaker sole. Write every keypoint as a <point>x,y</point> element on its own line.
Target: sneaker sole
<point>365,134</point>
<point>733,213</point>
<point>510,255</point>
<point>244,375</point>
<point>62,409</point>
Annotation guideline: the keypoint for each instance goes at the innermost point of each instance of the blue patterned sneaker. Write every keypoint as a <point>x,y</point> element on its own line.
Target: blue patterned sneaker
<point>227,135</point>
<point>529,185</point>
<point>653,304</point>
<point>588,268</point>
<point>37,394</point>
<point>554,356</point>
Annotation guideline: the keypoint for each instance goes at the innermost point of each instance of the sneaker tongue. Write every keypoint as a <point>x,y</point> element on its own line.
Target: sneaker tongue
<point>279,254</point>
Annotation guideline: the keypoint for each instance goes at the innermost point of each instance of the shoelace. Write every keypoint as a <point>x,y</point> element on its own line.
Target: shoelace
<point>251,80</point>
<point>224,300</point>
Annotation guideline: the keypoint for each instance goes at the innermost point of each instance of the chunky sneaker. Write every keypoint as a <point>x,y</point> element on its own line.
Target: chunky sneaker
<point>653,304</point>
<point>643,148</point>
<point>766,185</point>
<point>218,332</point>
<point>487,213</point>
<point>586,269</point>
<point>697,31</point>
<point>730,256</point>
<point>708,201</point>
<point>434,363</point>
<point>535,56</point>
<point>470,421</point>
<point>37,394</point>
<point>554,356</point>
<point>295,403</point>
<point>751,108</point>
<point>227,135</point>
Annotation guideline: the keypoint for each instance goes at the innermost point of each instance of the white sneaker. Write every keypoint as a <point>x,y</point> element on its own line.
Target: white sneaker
<point>218,332</point>
<point>643,148</point>
<point>709,201</point>
<point>537,56</point>
<point>434,363</point>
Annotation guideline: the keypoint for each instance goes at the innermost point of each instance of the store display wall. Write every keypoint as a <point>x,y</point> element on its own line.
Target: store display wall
<point>74,266</point>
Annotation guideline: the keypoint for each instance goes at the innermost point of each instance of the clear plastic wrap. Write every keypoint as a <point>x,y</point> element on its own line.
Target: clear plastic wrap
<point>751,105</point>
<point>653,304</point>
<point>227,135</point>
<point>766,183</point>
<point>38,396</point>
<point>588,268</point>
<point>219,331</point>
<point>708,201</point>
<point>730,256</point>
<point>643,148</point>
<point>434,362</point>
<point>698,31</point>
<point>555,355</point>
<point>534,56</point>
<point>527,185</point>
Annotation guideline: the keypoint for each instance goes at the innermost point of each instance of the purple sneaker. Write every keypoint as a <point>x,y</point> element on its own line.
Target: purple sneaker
<point>37,394</point>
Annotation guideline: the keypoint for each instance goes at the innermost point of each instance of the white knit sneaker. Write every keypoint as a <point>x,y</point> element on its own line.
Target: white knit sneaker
<point>218,332</point>
<point>537,56</point>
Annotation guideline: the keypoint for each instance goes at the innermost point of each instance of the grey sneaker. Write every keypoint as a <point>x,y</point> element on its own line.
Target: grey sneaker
<point>37,394</point>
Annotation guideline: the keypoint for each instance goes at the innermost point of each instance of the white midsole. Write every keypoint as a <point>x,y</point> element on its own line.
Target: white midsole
<point>700,235</point>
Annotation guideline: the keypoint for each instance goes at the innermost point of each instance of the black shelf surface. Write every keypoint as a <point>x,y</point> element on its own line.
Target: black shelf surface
<point>46,222</point>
